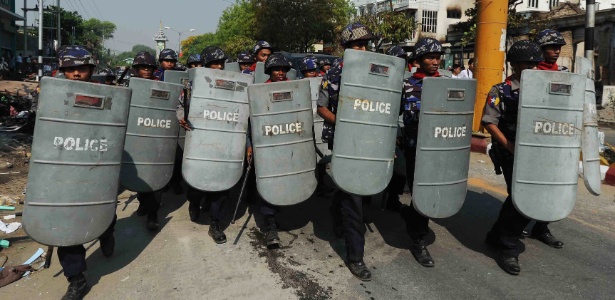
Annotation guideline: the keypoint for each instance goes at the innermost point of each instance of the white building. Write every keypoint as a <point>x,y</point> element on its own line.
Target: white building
<point>547,5</point>
<point>433,16</point>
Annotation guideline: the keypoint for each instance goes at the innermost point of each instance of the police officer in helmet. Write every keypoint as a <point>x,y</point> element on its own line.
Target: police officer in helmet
<point>551,43</point>
<point>427,54</point>
<point>500,120</point>
<point>308,67</point>
<point>245,61</point>
<point>214,58</point>
<point>78,64</point>
<point>109,76</point>
<point>347,209</point>
<point>324,66</point>
<point>168,61</point>
<point>261,52</point>
<point>194,61</point>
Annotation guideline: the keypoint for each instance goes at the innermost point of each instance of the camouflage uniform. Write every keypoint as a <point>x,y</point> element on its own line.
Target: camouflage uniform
<point>550,37</point>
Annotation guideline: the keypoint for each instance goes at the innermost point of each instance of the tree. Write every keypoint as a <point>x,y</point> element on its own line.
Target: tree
<point>196,43</point>
<point>310,21</point>
<point>238,19</point>
<point>389,26</point>
<point>238,44</point>
<point>120,58</point>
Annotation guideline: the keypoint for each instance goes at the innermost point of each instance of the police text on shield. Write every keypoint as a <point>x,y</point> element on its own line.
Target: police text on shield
<point>221,116</point>
<point>78,144</point>
<point>283,128</point>
<point>450,132</point>
<point>371,106</point>
<point>154,123</point>
<point>554,128</point>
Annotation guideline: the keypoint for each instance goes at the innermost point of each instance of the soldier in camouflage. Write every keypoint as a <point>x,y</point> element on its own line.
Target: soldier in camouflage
<point>427,54</point>
<point>500,120</point>
<point>77,63</point>
<point>346,209</point>
<point>168,61</point>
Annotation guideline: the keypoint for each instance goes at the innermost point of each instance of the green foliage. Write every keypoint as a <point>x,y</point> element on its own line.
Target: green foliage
<point>120,58</point>
<point>292,25</point>
<point>238,44</point>
<point>389,27</point>
<point>237,20</point>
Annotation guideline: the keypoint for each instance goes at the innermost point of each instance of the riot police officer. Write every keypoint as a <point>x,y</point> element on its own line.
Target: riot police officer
<point>347,209</point>
<point>261,52</point>
<point>308,67</point>
<point>500,120</point>
<point>214,58</point>
<point>168,61</point>
<point>324,66</point>
<point>550,42</point>
<point>245,61</point>
<point>427,54</point>
<point>276,66</point>
<point>77,63</point>
<point>143,66</point>
<point>194,61</point>
<point>109,76</point>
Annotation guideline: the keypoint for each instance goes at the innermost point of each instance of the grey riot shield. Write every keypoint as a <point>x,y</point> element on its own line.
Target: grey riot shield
<point>215,147</point>
<point>180,77</point>
<point>445,73</point>
<point>259,73</point>
<point>443,146</point>
<point>547,146</point>
<point>283,142</point>
<point>232,67</point>
<point>75,165</point>
<point>366,122</point>
<point>322,149</point>
<point>292,74</point>
<point>151,137</point>
<point>590,141</point>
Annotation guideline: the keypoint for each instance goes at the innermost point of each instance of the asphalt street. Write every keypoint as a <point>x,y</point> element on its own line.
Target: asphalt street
<point>182,262</point>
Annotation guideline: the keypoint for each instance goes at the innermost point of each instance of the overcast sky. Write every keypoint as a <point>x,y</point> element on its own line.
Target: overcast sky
<point>138,21</point>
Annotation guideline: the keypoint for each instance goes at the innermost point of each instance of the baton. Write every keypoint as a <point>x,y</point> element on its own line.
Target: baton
<point>243,187</point>
<point>48,257</point>
<point>119,81</point>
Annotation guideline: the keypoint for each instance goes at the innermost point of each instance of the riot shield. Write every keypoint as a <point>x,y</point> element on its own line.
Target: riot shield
<point>283,141</point>
<point>443,146</point>
<point>232,67</point>
<point>322,149</point>
<point>215,147</point>
<point>292,74</point>
<point>547,145</point>
<point>75,164</point>
<point>97,78</point>
<point>151,137</point>
<point>180,77</point>
<point>445,73</point>
<point>590,142</point>
<point>259,73</point>
<point>366,122</point>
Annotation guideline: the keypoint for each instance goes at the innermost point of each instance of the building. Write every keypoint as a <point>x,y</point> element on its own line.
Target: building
<point>549,5</point>
<point>8,29</point>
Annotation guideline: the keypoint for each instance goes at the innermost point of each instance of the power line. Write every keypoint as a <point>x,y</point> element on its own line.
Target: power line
<point>85,11</point>
<point>96,7</point>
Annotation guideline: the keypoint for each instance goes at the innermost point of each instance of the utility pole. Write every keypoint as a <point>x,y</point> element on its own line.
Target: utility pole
<point>25,25</point>
<point>40,40</point>
<point>590,23</point>
<point>59,10</point>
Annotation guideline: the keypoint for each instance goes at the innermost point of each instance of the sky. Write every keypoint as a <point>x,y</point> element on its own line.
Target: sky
<point>138,21</point>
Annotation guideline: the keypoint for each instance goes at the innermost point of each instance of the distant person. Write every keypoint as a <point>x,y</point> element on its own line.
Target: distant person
<point>456,70</point>
<point>19,63</point>
<point>468,72</point>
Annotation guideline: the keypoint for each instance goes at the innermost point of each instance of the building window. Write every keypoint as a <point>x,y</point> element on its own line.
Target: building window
<point>5,3</point>
<point>532,3</point>
<point>454,13</point>
<point>553,3</point>
<point>430,21</point>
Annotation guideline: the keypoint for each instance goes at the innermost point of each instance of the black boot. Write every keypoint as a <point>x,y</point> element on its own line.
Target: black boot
<point>542,233</point>
<point>194,209</point>
<point>508,263</point>
<point>421,254</point>
<point>271,237</point>
<point>141,210</point>
<point>216,233</point>
<point>152,221</point>
<point>76,288</point>
<point>360,270</point>
<point>107,244</point>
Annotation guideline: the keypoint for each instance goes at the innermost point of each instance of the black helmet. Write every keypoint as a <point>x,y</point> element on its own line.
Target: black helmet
<point>260,45</point>
<point>397,51</point>
<point>355,32</point>
<point>144,58</point>
<point>550,37</point>
<point>525,50</point>
<point>323,62</point>
<point>74,56</point>
<point>244,57</point>
<point>193,58</point>
<point>167,54</point>
<point>211,54</point>
<point>426,46</point>
<point>277,60</point>
<point>107,73</point>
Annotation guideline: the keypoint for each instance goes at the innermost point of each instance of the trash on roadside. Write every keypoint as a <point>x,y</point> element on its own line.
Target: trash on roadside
<point>3,207</point>
<point>6,200</point>
<point>9,228</point>
<point>11,274</point>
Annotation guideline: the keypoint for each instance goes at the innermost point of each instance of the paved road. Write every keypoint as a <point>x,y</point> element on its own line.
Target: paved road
<point>181,261</point>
